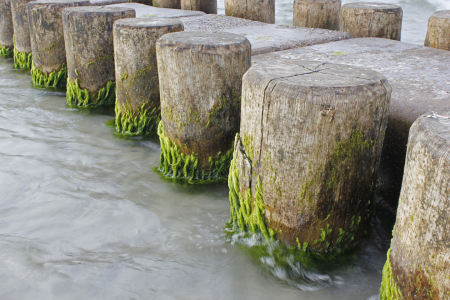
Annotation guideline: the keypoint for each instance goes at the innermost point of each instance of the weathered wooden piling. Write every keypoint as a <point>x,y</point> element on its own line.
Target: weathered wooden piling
<point>7,30</point>
<point>167,3</point>
<point>207,6</point>
<point>137,104</point>
<point>306,159</point>
<point>438,33</point>
<point>49,66</point>
<point>256,10</point>
<point>110,2</point>
<point>200,78</point>
<point>88,35</point>
<point>22,45</point>
<point>418,263</point>
<point>317,13</point>
<point>366,19</point>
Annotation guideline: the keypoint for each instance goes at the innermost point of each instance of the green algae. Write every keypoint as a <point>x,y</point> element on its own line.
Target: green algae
<point>22,60</point>
<point>6,52</point>
<point>388,289</point>
<point>82,97</point>
<point>175,164</point>
<point>52,79</point>
<point>144,121</point>
<point>245,213</point>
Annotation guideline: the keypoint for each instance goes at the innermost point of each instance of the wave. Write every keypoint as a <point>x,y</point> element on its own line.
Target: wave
<point>440,4</point>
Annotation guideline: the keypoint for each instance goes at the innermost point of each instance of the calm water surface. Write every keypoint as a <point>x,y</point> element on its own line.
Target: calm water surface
<point>84,216</point>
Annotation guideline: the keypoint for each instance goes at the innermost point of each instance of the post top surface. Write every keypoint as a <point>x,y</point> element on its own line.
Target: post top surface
<point>371,5</point>
<point>316,74</point>
<point>444,14</point>
<point>150,22</point>
<point>38,2</point>
<point>437,124</point>
<point>317,1</point>
<point>97,9</point>
<point>204,38</point>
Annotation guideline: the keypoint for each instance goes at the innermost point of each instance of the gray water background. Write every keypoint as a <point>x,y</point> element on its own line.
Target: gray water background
<point>84,216</point>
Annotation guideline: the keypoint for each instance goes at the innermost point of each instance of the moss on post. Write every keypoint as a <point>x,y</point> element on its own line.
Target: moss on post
<point>146,120</point>
<point>6,52</point>
<point>389,290</point>
<point>53,79</point>
<point>176,164</point>
<point>245,213</point>
<point>82,97</point>
<point>22,60</point>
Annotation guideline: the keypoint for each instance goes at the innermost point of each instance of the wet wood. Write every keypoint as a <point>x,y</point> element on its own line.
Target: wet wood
<point>313,132</point>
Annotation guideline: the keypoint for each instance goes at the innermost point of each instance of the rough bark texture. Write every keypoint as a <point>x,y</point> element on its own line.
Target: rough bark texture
<point>207,6</point>
<point>317,13</point>
<point>438,33</point>
<point>137,104</point>
<point>313,132</point>
<point>200,78</point>
<point>22,43</point>
<point>47,39</point>
<point>372,20</point>
<point>419,262</point>
<point>88,34</point>
<point>256,10</point>
<point>6,25</point>
<point>167,3</point>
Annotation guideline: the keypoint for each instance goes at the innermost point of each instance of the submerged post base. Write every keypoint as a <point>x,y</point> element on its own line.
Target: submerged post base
<point>6,52</point>
<point>22,60</point>
<point>174,163</point>
<point>82,97</point>
<point>53,79</point>
<point>144,121</point>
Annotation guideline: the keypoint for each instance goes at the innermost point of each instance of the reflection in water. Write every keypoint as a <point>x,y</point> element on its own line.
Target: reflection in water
<point>84,216</point>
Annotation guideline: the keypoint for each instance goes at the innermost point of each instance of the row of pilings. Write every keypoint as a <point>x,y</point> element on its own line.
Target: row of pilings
<point>299,143</point>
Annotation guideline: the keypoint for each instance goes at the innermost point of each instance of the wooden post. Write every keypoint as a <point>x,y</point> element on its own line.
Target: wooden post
<point>7,30</point>
<point>207,6</point>
<point>200,79</point>
<point>88,35</point>
<point>438,33</point>
<point>418,265</point>
<point>167,3</point>
<point>372,20</point>
<point>49,66</point>
<point>137,104</point>
<point>306,159</point>
<point>256,10</point>
<point>22,44</point>
<point>317,13</point>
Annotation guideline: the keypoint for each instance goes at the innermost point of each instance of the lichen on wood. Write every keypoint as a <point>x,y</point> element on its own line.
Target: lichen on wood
<point>82,97</point>
<point>53,79</point>
<point>174,163</point>
<point>144,121</point>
